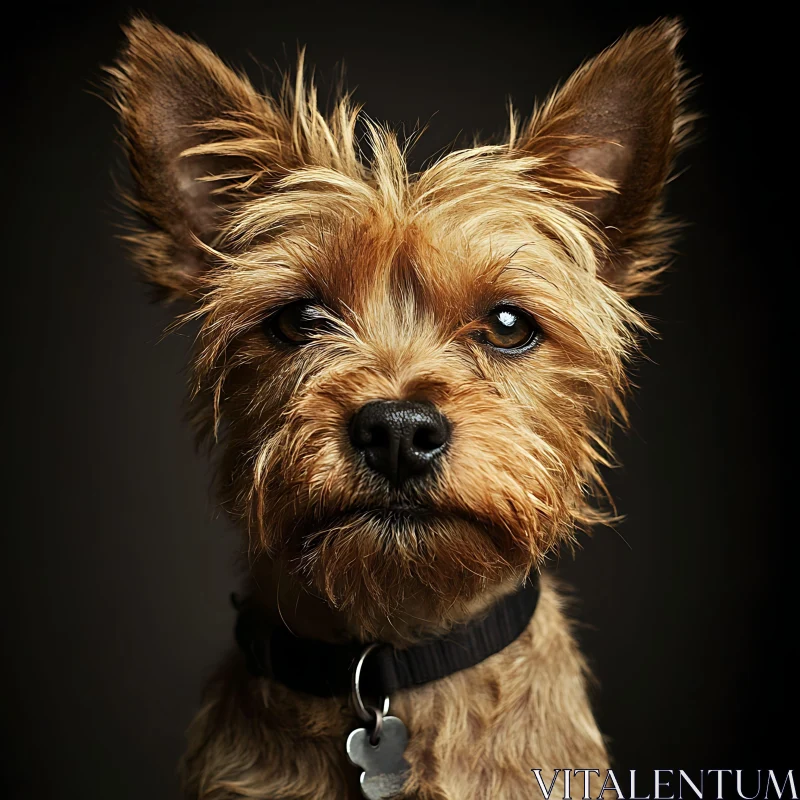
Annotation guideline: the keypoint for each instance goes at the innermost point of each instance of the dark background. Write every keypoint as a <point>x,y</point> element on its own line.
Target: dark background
<point>115,570</point>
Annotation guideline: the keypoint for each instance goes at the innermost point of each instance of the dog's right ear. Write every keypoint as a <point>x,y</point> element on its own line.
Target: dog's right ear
<point>181,110</point>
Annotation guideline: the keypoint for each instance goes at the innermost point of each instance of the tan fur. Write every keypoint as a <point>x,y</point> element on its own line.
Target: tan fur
<point>252,203</point>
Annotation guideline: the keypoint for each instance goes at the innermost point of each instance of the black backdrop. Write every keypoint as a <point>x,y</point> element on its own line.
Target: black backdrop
<point>115,569</point>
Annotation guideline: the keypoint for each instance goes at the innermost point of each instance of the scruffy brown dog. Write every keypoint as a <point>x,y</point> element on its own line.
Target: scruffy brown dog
<point>411,378</point>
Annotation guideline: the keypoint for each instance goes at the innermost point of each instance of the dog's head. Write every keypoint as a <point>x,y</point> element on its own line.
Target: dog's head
<point>411,375</point>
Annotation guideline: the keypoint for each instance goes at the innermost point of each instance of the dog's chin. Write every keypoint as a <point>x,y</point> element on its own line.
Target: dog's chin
<point>403,561</point>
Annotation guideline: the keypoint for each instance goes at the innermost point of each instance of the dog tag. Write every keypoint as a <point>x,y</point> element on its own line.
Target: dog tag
<point>385,769</point>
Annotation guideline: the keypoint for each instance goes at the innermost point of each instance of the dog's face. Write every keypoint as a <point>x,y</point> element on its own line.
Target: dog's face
<point>411,376</point>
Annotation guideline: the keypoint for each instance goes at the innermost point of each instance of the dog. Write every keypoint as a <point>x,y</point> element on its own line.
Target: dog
<point>411,380</point>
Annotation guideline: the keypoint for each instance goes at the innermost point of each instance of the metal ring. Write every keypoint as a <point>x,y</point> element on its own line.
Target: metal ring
<point>362,710</point>
<point>375,736</point>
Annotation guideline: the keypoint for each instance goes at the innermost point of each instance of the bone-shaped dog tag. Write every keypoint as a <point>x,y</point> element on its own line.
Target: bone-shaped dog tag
<point>385,769</point>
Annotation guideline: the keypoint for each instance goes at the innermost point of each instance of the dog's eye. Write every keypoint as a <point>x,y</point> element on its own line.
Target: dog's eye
<point>510,328</point>
<point>297,322</point>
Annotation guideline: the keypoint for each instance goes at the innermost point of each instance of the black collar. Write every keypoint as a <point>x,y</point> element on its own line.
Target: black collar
<point>326,670</point>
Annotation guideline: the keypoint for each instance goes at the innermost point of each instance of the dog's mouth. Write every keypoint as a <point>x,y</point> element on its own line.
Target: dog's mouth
<point>400,514</point>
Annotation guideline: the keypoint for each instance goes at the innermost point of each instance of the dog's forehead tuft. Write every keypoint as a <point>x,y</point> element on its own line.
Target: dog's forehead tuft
<point>449,240</point>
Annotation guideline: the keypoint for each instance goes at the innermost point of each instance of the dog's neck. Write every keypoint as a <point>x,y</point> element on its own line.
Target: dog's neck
<point>289,603</point>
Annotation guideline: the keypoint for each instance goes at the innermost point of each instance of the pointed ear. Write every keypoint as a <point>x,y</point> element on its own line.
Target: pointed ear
<point>179,105</point>
<point>608,139</point>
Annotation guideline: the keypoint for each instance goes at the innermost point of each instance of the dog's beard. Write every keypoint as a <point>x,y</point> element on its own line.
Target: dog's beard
<point>404,561</point>
<point>398,564</point>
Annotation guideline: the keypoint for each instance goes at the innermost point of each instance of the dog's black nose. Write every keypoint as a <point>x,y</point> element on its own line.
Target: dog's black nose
<point>399,438</point>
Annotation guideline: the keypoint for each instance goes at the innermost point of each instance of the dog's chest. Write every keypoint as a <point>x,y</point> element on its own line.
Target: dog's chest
<point>476,734</point>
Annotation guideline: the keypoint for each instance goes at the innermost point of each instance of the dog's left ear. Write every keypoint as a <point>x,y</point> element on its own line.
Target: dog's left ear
<point>608,139</point>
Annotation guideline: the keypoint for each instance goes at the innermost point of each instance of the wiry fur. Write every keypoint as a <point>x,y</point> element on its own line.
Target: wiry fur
<point>254,202</point>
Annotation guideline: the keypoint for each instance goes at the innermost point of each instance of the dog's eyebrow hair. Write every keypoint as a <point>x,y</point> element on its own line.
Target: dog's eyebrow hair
<point>530,271</point>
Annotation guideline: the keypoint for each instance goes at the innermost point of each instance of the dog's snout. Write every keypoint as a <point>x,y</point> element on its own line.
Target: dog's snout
<point>399,438</point>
